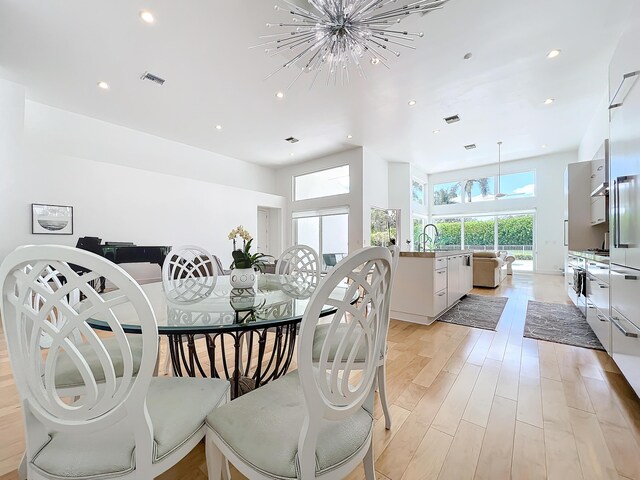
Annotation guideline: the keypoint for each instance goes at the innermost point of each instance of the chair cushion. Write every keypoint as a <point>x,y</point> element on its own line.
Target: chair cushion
<point>67,375</point>
<point>177,408</point>
<point>263,428</point>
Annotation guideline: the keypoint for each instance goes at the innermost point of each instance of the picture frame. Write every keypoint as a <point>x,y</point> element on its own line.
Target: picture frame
<point>51,219</point>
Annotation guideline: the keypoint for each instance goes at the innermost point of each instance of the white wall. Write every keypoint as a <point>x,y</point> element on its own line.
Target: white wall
<point>400,198</point>
<point>352,200</point>
<point>375,189</point>
<point>548,202</point>
<point>597,131</point>
<point>58,131</point>
<point>114,202</point>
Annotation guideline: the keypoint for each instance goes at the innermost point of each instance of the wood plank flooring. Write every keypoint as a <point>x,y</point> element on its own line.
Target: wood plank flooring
<point>470,404</point>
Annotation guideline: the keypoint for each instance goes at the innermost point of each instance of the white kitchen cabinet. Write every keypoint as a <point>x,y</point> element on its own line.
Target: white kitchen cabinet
<point>428,283</point>
<point>598,210</point>
<point>625,341</point>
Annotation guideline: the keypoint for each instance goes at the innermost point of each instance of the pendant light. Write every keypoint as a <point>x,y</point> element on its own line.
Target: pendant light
<point>498,194</point>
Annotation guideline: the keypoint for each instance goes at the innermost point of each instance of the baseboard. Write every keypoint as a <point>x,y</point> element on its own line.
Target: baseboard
<point>549,272</point>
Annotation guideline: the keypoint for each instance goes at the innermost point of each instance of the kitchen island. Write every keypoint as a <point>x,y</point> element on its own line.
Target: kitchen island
<point>427,284</point>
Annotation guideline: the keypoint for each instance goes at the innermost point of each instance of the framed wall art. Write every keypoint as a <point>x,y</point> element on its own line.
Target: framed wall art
<point>51,219</point>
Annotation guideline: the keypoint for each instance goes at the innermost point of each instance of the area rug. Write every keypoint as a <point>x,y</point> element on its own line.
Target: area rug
<point>559,323</point>
<point>479,311</point>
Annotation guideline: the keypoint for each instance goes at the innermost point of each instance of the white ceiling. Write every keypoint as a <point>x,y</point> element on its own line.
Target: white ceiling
<point>59,49</point>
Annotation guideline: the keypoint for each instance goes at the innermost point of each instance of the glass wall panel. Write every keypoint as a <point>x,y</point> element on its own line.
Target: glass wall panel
<point>479,233</point>
<point>308,232</point>
<point>325,183</point>
<point>450,233</point>
<point>515,235</point>
<point>335,239</point>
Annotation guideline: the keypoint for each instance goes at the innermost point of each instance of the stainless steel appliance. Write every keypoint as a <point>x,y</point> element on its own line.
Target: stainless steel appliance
<point>625,207</point>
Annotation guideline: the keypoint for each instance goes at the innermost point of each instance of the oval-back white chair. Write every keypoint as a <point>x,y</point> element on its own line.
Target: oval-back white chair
<point>189,273</point>
<point>108,429</point>
<point>299,263</point>
<point>315,422</point>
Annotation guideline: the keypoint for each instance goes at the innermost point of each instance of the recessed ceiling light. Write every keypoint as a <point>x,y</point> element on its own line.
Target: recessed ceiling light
<point>291,154</point>
<point>549,101</point>
<point>103,85</point>
<point>375,61</point>
<point>147,16</point>
<point>554,53</point>
<point>280,95</point>
<point>544,145</point>
<point>436,132</point>
<point>412,103</point>
<point>349,137</point>
<point>218,127</point>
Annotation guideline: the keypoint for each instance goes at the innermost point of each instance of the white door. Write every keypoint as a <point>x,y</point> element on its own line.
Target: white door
<point>263,231</point>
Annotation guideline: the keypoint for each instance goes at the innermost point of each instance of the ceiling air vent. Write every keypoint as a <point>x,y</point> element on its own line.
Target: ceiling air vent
<point>291,140</point>
<point>153,78</point>
<point>471,146</point>
<point>452,119</point>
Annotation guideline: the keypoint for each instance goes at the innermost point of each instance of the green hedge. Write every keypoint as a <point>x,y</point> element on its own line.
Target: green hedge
<point>511,231</point>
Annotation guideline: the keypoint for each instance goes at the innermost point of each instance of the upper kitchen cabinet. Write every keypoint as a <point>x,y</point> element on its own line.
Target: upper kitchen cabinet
<point>600,185</point>
<point>585,221</point>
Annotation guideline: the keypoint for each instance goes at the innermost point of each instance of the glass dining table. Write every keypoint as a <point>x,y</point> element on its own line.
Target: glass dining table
<point>247,336</point>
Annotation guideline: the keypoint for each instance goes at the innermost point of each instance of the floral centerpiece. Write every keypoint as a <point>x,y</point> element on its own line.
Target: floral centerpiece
<point>244,263</point>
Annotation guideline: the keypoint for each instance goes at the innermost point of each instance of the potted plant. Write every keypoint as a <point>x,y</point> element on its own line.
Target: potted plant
<point>245,265</point>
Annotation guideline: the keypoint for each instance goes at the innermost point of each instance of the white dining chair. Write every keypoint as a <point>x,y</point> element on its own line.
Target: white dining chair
<point>381,379</point>
<point>189,274</point>
<point>121,425</point>
<point>317,421</point>
<point>299,263</point>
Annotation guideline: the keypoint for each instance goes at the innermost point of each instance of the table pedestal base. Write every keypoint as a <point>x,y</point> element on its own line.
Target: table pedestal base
<point>245,357</point>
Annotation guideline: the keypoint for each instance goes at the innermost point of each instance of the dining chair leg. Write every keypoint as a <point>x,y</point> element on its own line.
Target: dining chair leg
<point>215,461</point>
<point>382,386</point>
<point>369,466</point>
<point>167,356</point>
<point>22,469</point>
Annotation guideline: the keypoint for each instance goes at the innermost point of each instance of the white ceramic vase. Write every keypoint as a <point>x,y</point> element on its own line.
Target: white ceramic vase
<point>242,277</point>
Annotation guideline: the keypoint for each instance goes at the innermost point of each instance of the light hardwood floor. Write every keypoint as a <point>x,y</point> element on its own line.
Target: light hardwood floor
<point>469,403</point>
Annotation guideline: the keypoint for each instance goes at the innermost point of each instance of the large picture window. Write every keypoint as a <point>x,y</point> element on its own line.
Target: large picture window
<point>518,185</point>
<point>324,183</point>
<point>447,193</point>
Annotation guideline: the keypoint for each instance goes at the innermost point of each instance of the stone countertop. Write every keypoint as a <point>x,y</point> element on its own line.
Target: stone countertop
<point>435,253</point>
<point>591,256</point>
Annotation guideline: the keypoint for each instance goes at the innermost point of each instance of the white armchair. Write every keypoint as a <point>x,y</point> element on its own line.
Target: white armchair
<point>315,422</point>
<point>120,425</point>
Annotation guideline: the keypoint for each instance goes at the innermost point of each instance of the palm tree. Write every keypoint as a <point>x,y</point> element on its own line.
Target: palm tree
<point>445,196</point>
<point>483,183</point>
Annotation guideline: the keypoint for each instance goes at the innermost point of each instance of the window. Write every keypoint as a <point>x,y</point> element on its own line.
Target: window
<point>479,233</point>
<point>478,190</point>
<point>449,233</point>
<point>384,227</point>
<point>518,185</point>
<point>515,235</point>
<point>327,232</point>
<point>417,192</point>
<point>446,193</point>
<point>325,183</point>
<point>418,225</point>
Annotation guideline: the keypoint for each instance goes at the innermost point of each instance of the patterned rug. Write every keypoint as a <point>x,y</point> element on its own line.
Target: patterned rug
<point>559,323</point>
<point>479,311</point>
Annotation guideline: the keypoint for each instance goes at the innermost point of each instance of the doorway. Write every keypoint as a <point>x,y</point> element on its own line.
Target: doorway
<point>327,233</point>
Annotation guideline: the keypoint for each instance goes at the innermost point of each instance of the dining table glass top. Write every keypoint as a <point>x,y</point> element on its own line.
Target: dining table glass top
<point>209,304</point>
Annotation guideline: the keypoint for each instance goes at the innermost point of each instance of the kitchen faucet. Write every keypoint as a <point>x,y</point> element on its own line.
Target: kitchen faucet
<point>424,236</point>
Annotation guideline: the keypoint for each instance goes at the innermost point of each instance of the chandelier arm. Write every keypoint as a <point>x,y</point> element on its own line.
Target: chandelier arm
<point>293,5</point>
<point>394,42</point>
<point>391,35</point>
<point>289,39</point>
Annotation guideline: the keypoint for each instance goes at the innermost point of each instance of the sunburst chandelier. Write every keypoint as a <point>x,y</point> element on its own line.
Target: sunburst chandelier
<point>339,35</point>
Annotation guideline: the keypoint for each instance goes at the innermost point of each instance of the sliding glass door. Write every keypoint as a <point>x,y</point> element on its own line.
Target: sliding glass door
<point>326,234</point>
<point>513,233</point>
